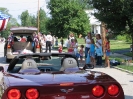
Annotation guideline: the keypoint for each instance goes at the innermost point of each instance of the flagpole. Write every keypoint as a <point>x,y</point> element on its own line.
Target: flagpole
<point>38,15</point>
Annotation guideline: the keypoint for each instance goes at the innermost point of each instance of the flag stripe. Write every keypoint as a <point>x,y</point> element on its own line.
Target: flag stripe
<point>3,21</point>
<point>3,24</point>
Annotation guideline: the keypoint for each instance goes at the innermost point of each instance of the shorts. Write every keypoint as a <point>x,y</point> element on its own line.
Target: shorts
<point>107,53</point>
<point>81,57</point>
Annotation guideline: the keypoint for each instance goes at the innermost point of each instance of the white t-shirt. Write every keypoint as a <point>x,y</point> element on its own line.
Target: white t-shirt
<point>100,41</point>
<point>70,38</point>
<point>49,38</point>
<point>87,41</point>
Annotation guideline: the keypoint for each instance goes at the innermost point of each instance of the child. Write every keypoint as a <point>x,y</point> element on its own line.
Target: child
<point>56,41</point>
<point>107,50</point>
<point>92,52</point>
<point>71,49</point>
<point>60,49</point>
<point>62,41</point>
<point>81,51</point>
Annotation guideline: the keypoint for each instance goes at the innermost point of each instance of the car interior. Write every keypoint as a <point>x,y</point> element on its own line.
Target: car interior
<point>18,47</point>
<point>52,64</point>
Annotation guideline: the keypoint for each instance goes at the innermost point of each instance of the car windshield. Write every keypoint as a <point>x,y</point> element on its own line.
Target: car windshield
<point>47,64</point>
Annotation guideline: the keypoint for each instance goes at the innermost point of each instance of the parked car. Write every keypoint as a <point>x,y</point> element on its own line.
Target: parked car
<point>21,41</point>
<point>55,76</point>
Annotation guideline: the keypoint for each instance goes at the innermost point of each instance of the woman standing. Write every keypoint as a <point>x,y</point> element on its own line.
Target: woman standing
<point>99,52</point>
<point>88,43</point>
<point>62,41</point>
<point>107,50</point>
<point>75,46</point>
<point>92,52</point>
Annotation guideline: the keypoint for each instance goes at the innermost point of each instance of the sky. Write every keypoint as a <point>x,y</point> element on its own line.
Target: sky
<point>16,7</point>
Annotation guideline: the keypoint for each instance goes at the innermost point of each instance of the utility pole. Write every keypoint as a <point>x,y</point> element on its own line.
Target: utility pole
<point>38,20</point>
<point>103,37</point>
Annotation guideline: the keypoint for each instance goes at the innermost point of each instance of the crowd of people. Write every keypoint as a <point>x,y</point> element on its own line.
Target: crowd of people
<point>93,49</point>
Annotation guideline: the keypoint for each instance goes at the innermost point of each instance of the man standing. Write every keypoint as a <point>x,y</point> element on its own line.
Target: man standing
<point>48,42</point>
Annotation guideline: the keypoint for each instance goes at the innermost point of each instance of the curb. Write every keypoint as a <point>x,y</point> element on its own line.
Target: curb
<point>123,70</point>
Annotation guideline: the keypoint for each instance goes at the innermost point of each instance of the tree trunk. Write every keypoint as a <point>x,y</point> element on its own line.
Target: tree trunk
<point>132,45</point>
<point>103,32</point>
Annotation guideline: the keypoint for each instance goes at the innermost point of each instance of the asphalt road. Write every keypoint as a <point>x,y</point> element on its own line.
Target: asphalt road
<point>125,79</point>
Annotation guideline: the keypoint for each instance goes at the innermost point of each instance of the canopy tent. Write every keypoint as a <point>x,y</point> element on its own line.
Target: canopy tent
<point>3,21</point>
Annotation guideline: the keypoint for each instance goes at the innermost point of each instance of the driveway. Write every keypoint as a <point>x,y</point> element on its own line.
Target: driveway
<point>125,79</point>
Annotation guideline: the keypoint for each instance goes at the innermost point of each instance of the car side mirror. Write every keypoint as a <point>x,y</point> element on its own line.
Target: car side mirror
<point>1,68</point>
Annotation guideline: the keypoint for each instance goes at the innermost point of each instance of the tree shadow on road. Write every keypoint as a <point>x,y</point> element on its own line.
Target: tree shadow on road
<point>131,81</point>
<point>128,97</point>
<point>3,60</point>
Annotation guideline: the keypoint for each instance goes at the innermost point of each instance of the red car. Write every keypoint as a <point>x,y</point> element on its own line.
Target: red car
<point>55,76</point>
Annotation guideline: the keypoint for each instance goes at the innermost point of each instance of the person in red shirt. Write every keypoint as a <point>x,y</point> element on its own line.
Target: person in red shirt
<point>60,49</point>
<point>22,39</point>
<point>107,50</point>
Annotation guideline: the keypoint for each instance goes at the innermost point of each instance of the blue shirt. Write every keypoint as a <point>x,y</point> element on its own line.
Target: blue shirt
<point>92,48</point>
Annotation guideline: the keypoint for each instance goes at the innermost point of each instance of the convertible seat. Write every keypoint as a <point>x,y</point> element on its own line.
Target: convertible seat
<point>29,65</point>
<point>69,64</point>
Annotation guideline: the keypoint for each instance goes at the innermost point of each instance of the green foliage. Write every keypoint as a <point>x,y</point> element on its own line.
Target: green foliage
<point>125,37</point>
<point>67,16</point>
<point>129,68</point>
<point>43,21</point>
<point>86,4</point>
<point>117,14</point>
<point>5,11</point>
<point>121,37</point>
<point>26,18</point>
<point>32,20</point>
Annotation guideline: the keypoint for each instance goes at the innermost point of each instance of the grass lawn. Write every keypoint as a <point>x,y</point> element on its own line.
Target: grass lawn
<point>128,54</point>
<point>116,45</point>
<point>129,68</point>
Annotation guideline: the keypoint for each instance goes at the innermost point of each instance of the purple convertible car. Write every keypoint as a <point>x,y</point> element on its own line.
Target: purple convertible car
<point>55,76</point>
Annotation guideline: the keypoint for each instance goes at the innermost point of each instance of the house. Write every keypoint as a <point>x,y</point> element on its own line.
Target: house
<point>95,23</point>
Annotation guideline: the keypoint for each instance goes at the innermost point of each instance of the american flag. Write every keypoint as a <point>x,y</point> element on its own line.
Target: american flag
<point>3,21</point>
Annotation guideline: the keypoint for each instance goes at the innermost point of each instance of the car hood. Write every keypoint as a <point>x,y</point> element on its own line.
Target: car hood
<point>58,78</point>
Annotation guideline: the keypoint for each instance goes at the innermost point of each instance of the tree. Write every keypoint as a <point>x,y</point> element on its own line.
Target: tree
<point>26,18</point>
<point>67,16</point>
<point>117,14</point>
<point>31,20</point>
<point>43,21</point>
<point>86,4</point>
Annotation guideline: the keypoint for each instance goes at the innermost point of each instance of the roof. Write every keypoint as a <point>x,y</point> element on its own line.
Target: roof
<point>92,18</point>
<point>23,29</point>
